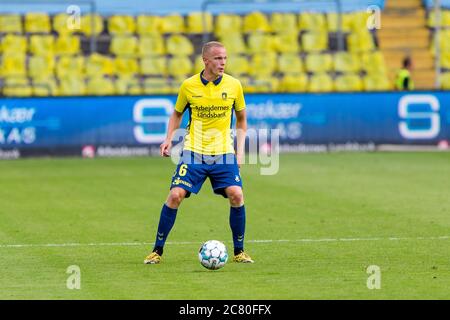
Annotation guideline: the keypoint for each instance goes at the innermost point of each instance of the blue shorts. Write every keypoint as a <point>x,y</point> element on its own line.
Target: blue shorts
<point>193,169</point>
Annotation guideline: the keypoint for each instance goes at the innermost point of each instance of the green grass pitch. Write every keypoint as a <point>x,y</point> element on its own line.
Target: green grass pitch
<point>313,229</point>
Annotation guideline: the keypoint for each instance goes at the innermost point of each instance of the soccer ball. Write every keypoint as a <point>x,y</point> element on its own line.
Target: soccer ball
<point>213,255</point>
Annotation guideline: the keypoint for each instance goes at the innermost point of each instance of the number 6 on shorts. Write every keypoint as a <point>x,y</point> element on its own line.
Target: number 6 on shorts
<point>183,170</point>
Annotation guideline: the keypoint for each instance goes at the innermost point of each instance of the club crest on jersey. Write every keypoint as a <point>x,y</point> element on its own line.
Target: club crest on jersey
<point>224,95</point>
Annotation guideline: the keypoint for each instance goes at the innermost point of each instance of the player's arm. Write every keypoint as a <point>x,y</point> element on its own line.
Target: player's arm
<point>174,124</point>
<point>241,124</point>
<point>241,131</point>
<point>174,121</point>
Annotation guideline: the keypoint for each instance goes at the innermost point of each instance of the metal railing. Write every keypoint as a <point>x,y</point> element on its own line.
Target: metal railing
<point>437,47</point>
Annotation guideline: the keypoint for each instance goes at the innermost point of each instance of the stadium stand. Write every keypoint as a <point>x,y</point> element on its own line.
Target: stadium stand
<point>270,51</point>
<point>439,25</point>
<point>404,33</point>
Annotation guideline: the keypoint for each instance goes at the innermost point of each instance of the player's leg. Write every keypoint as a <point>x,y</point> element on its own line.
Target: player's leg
<point>226,181</point>
<point>166,222</point>
<point>168,216</point>
<point>237,222</point>
<point>188,178</point>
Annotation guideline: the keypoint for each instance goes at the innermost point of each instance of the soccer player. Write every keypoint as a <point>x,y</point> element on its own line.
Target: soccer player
<point>210,97</point>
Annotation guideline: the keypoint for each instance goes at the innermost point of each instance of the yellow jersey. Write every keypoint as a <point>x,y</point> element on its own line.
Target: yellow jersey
<point>404,80</point>
<point>210,105</point>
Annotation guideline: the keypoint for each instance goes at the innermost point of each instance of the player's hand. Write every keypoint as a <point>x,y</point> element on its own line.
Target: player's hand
<point>164,148</point>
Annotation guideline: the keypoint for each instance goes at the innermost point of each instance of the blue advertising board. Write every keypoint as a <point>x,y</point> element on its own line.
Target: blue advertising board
<point>141,121</point>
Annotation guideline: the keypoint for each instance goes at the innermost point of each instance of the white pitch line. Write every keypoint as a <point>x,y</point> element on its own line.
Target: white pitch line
<point>125,244</point>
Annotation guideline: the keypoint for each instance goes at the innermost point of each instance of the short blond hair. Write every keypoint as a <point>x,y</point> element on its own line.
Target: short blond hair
<point>211,44</point>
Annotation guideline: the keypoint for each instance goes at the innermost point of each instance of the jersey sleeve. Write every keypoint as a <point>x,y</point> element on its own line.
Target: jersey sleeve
<point>239,103</point>
<point>182,100</point>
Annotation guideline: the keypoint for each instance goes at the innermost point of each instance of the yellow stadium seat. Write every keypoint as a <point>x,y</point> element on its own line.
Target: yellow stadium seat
<point>175,83</point>
<point>65,24</point>
<point>346,62</point>
<point>11,23</point>
<point>41,66</point>
<point>173,23</point>
<point>293,83</point>
<point>431,20</point>
<point>445,60</point>
<point>263,65</point>
<point>97,65</point>
<point>100,86</point>
<point>245,80</point>
<point>248,85</point>
<point>444,21</point>
<point>446,18</point>
<point>13,44</point>
<point>314,42</point>
<point>156,86</point>
<point>17,87</point>
<point>178,44</point>
<point>261,84</point>
<point>286,42</point>
<point>199,64</point>
<point>290,63</point>
<point>237,65</point>
<point>312,21</point>
<point>36,22</point>
<point>150,45</point>
<point>333,22</point>
<point>128,86</point>
<point>260,43</point>
<point>272,82</point>
<point>198,22</point>
<point>445,81</point>
<point>91,24</point>
<point>373,62</point>
<point>126,66</point>
<point>149,25</point>
<point>16,80</point>
<point>284,23</point>
<point>348,82</point>
<point>124,45</point>
<point>42,44</point>
<point>228,24</point>
<point>72,86</point>
<point>377,82</point>
<point>358,21</point>
<point>319,62</point>
<point>320,82</point>
<point>180,66</point>
<point>67,45</point>
<point>360,42</point>
<point>13,65</point>
<point>67,66</point>
<point>444,40</point>
<point>44,86</point>
<point>154,66</point>
<point>121,25</point>
<point>234,43</point>
<point>256,22</point>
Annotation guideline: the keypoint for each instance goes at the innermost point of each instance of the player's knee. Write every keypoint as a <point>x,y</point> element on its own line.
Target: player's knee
<point>176,196</point>
<point>236,197</point>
